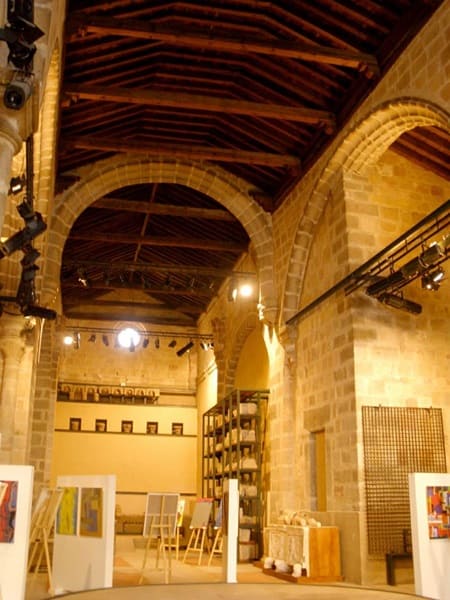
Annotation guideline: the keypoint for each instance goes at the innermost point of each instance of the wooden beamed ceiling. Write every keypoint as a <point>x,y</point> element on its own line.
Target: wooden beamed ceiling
<point>257,88</point>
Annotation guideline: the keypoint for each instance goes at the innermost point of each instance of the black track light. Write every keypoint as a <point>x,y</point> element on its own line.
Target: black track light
<point>185,348</point>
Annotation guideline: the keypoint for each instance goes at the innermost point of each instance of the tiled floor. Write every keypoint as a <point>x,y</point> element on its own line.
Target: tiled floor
<point>193,581</point>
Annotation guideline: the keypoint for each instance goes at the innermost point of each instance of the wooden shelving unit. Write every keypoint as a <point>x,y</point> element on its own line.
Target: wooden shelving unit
<point>233,442</point>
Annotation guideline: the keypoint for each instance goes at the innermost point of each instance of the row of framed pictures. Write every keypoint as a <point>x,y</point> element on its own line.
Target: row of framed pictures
<point>126,426</point>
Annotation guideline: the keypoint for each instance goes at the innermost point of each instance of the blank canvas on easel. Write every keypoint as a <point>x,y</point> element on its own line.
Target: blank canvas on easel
<point>201,513</point>
<point>160,511</point>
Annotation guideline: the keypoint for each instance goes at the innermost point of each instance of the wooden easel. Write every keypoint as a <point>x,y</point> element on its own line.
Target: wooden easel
<point>217,545</point>
<point>159,526</point>
<point>199,526</point>
<point>179,524</point>
<point>42,524</point>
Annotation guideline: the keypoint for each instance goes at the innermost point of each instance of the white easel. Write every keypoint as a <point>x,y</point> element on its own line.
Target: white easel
<point>160,525</point>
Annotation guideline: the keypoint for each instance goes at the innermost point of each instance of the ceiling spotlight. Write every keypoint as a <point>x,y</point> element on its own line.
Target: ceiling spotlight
<point>82,278</point>
<point>72,340</point>
<point>92,337</point>
<point>204,346</point>
<point>401,303</point>
<point>105,340</point>
<point>172,344</point>
<point>145,342</point>
<point>432,281</point>
<point>68,340</point>
<point>16,184</point>
<point>185,348</point>
<point>128,338</point>
<point>157,343</point>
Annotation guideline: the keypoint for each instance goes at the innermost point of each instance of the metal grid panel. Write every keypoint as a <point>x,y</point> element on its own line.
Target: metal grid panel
<point>397,441</point>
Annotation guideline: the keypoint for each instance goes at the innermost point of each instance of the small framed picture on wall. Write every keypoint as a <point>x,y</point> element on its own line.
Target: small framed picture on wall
<point>101,425</point>
<point>177,428</point>
<point>152,427</point>
<point>75,424</point>
<point>127,427</point>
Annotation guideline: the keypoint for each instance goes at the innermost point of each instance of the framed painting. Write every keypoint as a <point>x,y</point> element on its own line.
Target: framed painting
<point>152,427</point>
<point>8,506</point>
<point>177,428</point>
<point>67,515</point>
<point>126,427</point>
<point>91,512</point>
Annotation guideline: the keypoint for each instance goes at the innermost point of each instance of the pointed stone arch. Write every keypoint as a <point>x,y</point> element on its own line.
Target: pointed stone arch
<point>119,171</point>
<point>360,149</point>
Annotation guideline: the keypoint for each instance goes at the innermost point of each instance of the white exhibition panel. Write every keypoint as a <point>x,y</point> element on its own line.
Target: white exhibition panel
<point>84,562</point>
<point>230,526</point>
<point>431,556</point>
<point>14,555</point>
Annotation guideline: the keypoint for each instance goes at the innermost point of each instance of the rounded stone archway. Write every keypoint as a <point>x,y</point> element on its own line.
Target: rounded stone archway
<point>123,170</point>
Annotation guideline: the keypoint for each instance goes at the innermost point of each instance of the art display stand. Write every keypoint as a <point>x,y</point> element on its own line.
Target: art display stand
<point>179,524</point>
<point>41,531</point>
<point>14,552</point>
<point>83,549</point>
<point>230,529</point>
<point>199,526</point>
<point>430,531</point>
<point>160,526</point>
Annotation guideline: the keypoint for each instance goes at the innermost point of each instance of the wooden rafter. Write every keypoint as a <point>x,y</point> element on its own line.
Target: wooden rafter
<point>170,242</point>
<point>110,144</point>
<point>198,102</point>
<point>138,29</point>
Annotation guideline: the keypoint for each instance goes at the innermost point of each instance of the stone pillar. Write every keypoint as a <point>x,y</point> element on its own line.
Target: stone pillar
<point>10,144</point>
<point>12,349</point>
<point>43,411</point>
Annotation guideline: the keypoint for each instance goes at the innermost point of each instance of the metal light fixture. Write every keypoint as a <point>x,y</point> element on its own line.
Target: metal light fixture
<point>172,344</point>
<point>400,303</point>
<point>17,184</point>
<point>185,348</point>
<point>432,281</point>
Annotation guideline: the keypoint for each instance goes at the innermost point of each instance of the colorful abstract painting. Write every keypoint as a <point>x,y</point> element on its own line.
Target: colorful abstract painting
<point>8,507</point>
<point>67,516</point>
<point>91,511</point>
<point>438,509</point>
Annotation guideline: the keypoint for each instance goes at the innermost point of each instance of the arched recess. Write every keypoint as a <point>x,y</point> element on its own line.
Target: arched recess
<point>227,376</point>
<point>360,149</point>
<point>123,170</point>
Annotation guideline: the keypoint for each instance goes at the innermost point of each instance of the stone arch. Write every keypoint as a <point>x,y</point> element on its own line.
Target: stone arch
<point>227,376</point>
<point>123,170</point>
<point>359,150</point>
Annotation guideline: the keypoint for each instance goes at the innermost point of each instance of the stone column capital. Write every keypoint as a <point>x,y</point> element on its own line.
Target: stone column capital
<point>9,133</point>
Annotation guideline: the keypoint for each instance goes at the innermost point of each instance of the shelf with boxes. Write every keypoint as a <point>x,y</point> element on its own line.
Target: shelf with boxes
<point>233,441</point>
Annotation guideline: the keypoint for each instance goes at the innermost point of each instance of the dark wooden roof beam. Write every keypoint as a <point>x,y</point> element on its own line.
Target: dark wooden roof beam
<point>157,291</point>
<point>142,30</point>
<point>171,210</point>
<point>140,267</point>
<point>170,242</point>
<point>180,151</point>
<point>203,103</point>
